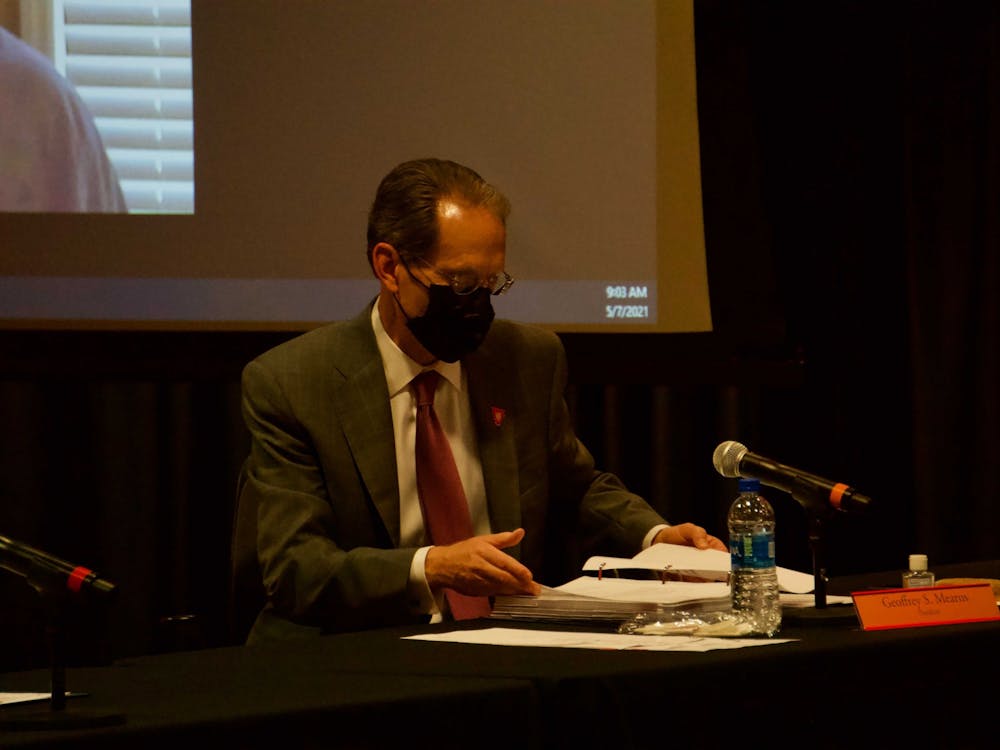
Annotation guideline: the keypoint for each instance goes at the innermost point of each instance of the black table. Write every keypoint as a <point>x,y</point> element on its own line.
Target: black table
<point>834,686</point>
<point>300,695</point>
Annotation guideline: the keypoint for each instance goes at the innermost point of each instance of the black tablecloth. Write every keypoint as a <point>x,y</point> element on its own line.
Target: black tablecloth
<point>833,686</point>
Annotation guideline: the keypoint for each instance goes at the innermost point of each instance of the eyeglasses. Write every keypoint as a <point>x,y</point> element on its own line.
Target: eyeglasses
<point>466,282</point>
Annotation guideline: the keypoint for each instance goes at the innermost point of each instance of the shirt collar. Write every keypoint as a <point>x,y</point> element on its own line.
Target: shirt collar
<point>400,368</point>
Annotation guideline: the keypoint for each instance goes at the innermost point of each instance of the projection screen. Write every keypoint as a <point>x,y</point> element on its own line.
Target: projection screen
<point>277,119</point>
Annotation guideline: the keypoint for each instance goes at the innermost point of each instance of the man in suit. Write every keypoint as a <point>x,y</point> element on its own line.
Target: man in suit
<point>343,540</point>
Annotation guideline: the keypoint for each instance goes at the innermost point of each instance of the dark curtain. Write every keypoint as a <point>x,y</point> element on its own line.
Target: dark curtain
<point>951,148</point>
<point>849,156</point>
<point>120,453</point>
<point>871,130</point>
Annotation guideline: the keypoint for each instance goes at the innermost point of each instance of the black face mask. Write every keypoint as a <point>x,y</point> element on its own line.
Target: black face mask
<point>453,325</point>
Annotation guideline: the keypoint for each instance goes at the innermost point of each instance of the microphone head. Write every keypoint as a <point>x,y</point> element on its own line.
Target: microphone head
<point>727,457</point>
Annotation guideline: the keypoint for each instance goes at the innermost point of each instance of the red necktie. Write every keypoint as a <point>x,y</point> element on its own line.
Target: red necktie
<point>442,499</point>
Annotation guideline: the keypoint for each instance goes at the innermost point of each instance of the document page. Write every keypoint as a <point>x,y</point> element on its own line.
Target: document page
<point>627,590</point>
<point>711,564</point>
<point>603,641</point>
<point>7,698</point>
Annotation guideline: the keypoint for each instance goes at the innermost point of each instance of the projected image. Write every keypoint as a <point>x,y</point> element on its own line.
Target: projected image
<point>583,113</point>
<point>97,107</point>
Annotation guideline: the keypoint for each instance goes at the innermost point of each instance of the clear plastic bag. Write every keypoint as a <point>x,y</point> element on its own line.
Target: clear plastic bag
<point>719,624</point>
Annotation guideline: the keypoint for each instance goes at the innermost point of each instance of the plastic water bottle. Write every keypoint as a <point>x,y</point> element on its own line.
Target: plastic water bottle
<point>754,581</point>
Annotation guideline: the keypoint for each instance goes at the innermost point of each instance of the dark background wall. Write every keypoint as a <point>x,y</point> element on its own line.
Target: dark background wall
<point>850,167</point>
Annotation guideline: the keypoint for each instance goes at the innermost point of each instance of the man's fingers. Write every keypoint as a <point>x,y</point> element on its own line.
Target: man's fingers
<point>505,539</point>
<point>479,566</point>
<point>500,571</point>
<point>508,565</point>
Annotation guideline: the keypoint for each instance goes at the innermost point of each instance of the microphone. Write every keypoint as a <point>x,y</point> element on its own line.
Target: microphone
<point>732,459</point>
<point>48,573</point>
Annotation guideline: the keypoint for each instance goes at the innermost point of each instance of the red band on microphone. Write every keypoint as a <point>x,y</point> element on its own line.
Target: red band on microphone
<point>76,578</point>
<point>837,494</point>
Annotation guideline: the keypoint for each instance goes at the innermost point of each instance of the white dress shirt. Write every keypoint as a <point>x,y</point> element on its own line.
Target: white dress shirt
<point>451,404</point>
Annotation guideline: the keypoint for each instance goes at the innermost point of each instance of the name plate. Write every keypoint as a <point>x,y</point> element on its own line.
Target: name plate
<point>925,605</point>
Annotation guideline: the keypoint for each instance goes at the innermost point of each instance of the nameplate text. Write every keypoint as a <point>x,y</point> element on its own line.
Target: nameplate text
<point>925,605</point>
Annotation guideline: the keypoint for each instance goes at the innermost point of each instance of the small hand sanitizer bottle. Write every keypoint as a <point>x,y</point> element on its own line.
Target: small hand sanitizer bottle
<point>918,575</point>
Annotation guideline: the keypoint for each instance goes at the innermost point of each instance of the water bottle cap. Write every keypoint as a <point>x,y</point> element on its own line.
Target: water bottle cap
<point>746,484</point>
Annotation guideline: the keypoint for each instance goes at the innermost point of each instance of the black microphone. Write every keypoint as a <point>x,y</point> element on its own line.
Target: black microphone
<point>732,459</point>
<point>48,573</point>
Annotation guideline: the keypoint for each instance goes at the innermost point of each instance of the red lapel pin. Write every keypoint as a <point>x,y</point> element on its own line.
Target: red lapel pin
<point>498,415</point>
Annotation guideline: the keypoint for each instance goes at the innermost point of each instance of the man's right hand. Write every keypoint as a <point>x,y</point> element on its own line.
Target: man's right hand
<point>478,567</point>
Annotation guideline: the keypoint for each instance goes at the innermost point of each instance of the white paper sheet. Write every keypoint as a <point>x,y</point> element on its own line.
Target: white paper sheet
<point>625,589</point>
<point>679,557</point>
<point>602,641</point>
<point>6,698</point>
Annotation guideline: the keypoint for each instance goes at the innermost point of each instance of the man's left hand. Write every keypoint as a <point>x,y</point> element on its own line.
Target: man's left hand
<point>691,535</point>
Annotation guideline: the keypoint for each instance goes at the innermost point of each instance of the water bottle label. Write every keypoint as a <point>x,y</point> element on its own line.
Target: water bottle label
<point>753,551</point>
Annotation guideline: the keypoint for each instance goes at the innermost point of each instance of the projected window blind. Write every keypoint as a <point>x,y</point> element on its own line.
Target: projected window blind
<point>130,61</point>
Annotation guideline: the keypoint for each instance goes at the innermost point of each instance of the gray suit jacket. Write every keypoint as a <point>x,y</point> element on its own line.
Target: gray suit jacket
<point>322,474</point>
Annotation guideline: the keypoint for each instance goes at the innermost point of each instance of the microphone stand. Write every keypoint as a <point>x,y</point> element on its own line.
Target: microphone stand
<point>55,599</point>
<point>816,514</point>
<point>55,636</point>
<point>819,563</point>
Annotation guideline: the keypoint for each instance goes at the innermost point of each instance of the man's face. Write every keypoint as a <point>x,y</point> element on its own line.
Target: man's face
<point>471,244</point>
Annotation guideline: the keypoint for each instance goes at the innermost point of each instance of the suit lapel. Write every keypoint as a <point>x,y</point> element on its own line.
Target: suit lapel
<point>491,397</point>
<point>362,405</point>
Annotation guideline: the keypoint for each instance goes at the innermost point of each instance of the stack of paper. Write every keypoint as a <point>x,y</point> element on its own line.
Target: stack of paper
<point>612,599</point>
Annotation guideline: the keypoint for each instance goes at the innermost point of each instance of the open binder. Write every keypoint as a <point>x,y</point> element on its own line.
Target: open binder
<point>674,579</point>
<point>680,561</point>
